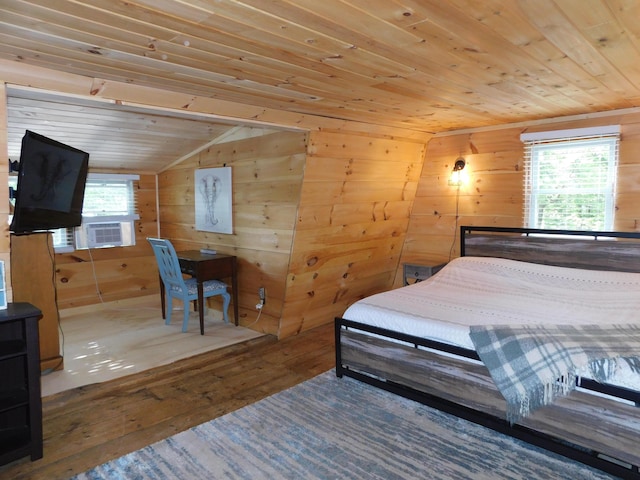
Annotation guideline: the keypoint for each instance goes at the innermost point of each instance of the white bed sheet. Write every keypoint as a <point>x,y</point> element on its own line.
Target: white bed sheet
<point>494,291</point>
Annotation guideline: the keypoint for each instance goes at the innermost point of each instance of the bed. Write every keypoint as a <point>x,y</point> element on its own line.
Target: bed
<point>422,341</point>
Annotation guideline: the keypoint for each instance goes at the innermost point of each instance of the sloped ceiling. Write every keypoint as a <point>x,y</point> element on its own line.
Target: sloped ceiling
<point>116,137</point>
<point>424,65</point>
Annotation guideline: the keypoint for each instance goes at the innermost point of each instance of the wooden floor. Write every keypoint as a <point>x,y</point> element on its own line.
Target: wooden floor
<point>115,339</point>
<point>87,426</point>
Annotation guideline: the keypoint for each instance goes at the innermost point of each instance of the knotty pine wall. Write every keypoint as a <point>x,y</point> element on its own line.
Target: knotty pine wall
<point>494,193</point>
<point>5,242</point>
<point>354,211</point>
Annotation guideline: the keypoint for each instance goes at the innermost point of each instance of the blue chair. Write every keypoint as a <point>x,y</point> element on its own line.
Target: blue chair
<point>175,285</point>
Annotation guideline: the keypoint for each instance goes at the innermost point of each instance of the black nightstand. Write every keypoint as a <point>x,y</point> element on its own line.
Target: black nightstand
<point>413,273</point>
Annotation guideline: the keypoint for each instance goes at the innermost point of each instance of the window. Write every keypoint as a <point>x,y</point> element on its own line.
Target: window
<point>570,178</point>
<point>108,214</point>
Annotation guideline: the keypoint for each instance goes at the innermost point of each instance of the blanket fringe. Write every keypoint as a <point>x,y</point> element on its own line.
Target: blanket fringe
<point>541,396</point>
<point>601,370</point>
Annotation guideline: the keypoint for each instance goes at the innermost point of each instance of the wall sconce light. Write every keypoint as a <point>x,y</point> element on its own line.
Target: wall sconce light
<point>458,177</point>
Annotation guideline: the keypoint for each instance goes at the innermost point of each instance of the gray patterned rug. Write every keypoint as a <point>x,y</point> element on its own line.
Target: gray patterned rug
<point>340,429</point>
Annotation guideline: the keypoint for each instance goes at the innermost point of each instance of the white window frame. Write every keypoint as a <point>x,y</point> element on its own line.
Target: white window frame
<point>538,143</point>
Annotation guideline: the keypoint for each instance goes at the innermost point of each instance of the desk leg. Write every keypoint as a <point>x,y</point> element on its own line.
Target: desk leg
<point>201,307</point>
<point>164,307</point>
<point>234,285</point>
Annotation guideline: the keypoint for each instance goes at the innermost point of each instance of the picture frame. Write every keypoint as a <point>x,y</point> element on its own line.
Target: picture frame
<point>213,195</point>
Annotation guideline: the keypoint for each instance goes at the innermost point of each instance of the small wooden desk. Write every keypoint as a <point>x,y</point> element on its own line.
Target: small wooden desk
<point>207,267</point>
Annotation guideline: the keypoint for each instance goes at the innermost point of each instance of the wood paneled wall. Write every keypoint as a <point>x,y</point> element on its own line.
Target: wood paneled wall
<point>267,173</point>
<point>86,277</point>
<point>354,211</point>
<point>494,194</point>
<point>5,242</point>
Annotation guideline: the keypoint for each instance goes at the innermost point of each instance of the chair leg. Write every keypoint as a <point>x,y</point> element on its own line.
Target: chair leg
<point>169,310</point>
<point>226,299</point>
<point>185,320</point>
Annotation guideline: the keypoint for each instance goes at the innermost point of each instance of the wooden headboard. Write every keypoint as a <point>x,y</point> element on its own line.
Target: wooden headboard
<point>618,251</point>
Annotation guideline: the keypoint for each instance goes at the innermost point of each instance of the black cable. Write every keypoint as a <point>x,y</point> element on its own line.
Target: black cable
<point>455,230</point>
<point>52,257</point>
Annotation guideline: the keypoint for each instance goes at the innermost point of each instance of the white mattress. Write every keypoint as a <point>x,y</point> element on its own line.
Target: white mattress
<point>495,291</point>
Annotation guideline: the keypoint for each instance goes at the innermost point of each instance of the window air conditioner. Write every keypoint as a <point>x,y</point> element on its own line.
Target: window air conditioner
<point>103,234</point>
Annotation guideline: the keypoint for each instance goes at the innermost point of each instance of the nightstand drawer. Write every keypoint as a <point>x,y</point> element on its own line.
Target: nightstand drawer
<point>416,273</point>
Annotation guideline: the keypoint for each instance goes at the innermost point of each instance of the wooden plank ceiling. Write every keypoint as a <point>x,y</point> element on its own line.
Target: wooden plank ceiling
<point>117,138</point>
<point>425,65</point>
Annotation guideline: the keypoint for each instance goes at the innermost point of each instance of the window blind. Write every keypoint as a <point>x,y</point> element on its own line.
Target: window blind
<point>110,197</point>
<point>570,180</point>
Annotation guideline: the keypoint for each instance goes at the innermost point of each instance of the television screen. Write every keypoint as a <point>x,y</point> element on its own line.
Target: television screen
<point>51,182</point>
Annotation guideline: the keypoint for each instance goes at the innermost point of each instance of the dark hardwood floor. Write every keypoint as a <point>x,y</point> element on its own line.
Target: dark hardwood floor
<point>87,426</point>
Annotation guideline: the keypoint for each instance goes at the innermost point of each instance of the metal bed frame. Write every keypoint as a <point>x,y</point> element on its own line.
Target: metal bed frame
<point>411,367</point>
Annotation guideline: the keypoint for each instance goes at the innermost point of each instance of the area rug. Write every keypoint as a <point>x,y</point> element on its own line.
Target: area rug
<point>330,428</point>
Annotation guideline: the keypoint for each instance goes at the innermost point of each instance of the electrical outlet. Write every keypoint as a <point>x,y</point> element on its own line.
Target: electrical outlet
<point>262,295</point>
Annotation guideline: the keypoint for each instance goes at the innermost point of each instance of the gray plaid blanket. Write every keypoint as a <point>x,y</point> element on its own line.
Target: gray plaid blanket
<point>534,365</point>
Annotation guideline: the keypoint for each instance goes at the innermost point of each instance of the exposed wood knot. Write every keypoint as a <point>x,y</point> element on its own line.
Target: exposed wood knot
<point>64,280</point>
<point>312,261</point>
<point>311,294</point>
<point>345,275</point>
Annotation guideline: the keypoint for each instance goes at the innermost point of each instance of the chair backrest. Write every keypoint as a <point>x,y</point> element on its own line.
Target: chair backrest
<point>168,264</point>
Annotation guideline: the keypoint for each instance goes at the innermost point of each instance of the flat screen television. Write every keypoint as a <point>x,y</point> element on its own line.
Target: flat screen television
<point>51,182</point>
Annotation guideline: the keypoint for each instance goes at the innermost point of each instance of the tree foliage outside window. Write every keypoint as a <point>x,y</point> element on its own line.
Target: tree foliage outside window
<point>571,184</point>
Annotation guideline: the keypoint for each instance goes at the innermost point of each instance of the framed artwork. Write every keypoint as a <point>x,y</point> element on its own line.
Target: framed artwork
<point>214,200</point>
